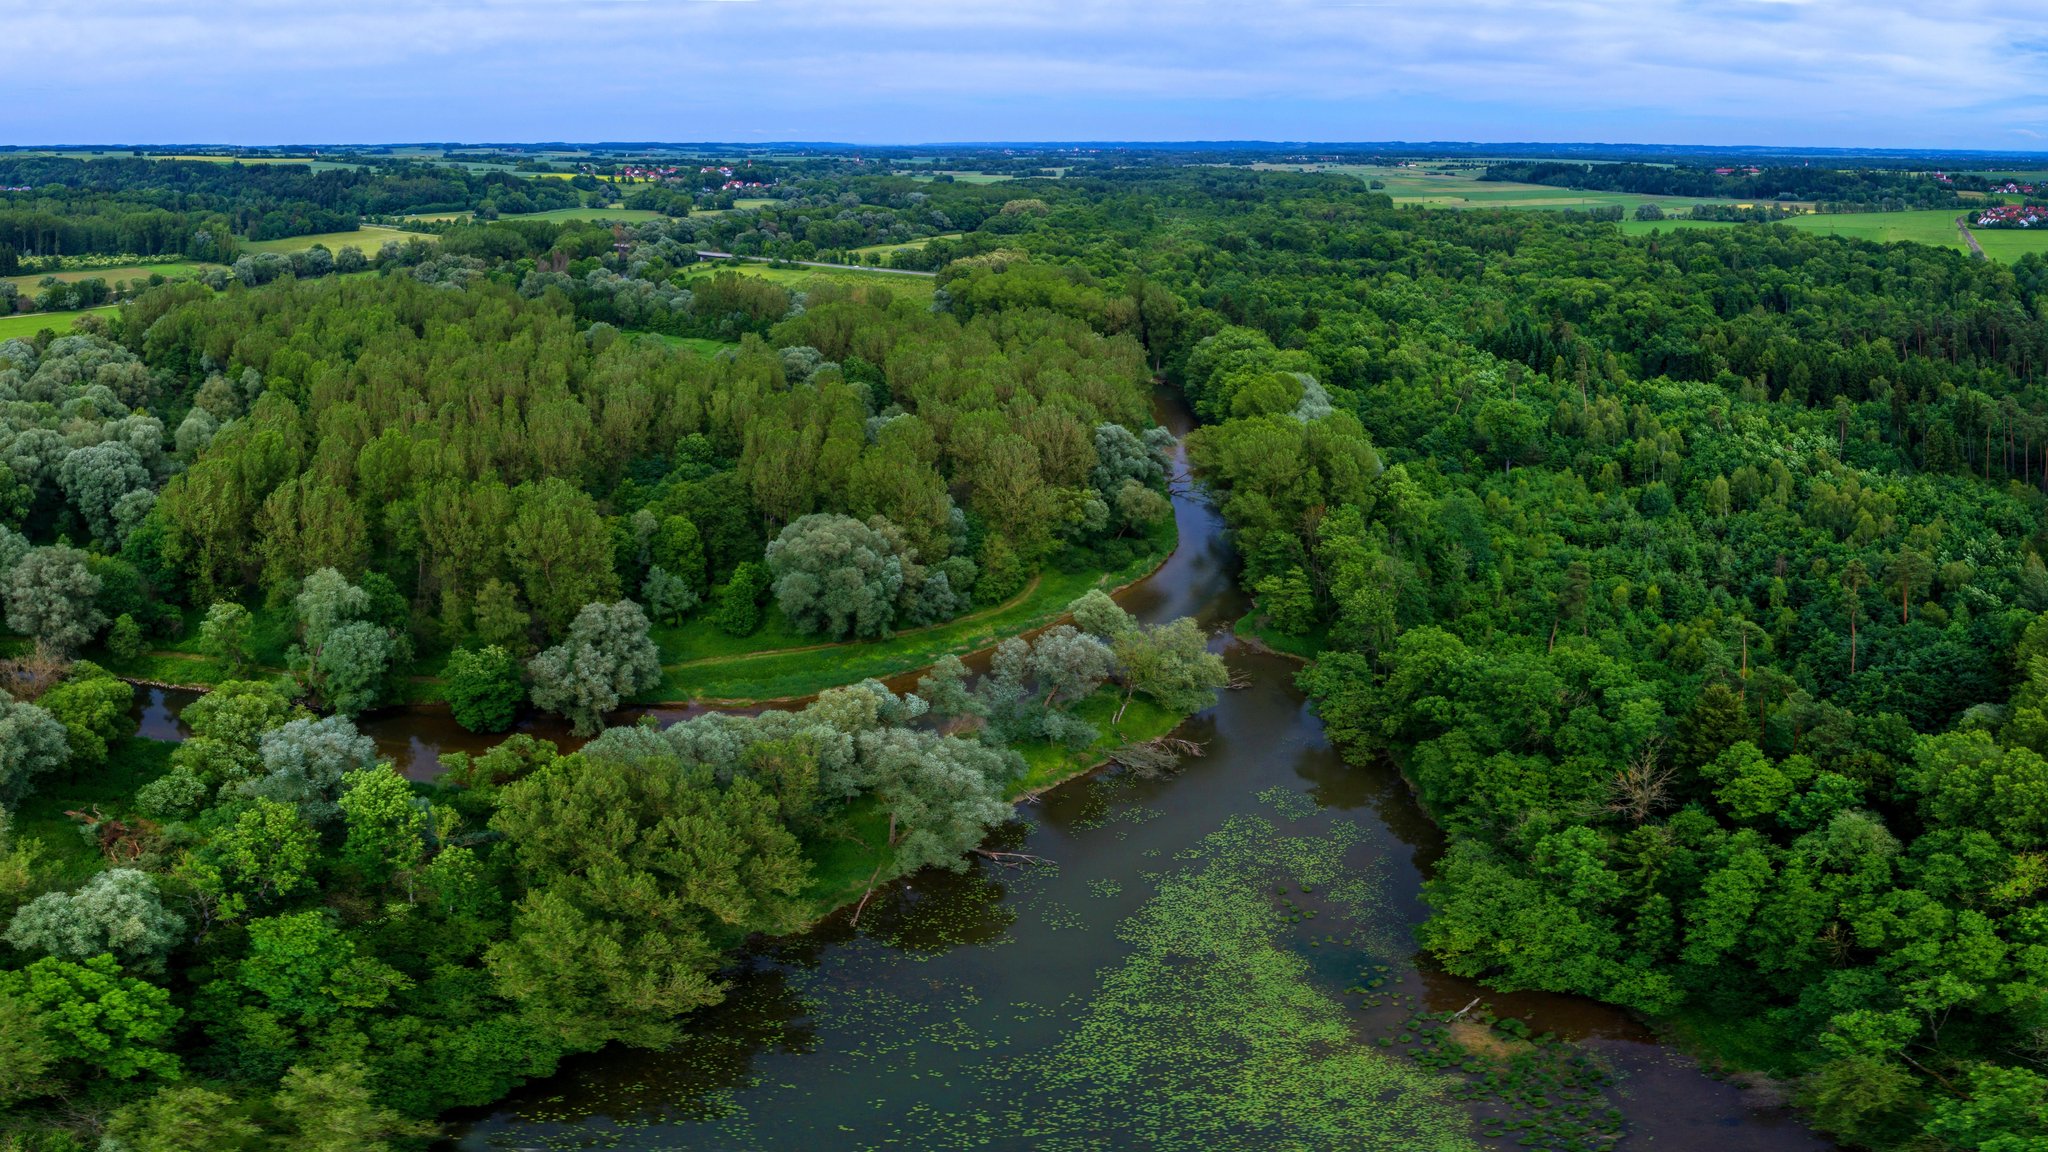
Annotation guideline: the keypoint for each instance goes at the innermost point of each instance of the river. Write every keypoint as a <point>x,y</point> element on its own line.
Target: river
<point>1220,959</point>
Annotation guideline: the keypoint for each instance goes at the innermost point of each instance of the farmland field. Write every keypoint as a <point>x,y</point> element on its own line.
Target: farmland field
<point>28,324</point>
<point>1933,227</point>
<point>29,282</point>
<point>1460,187</point>
<point>621,215</point>
<point>369,238</point>
<point>2010,243</point>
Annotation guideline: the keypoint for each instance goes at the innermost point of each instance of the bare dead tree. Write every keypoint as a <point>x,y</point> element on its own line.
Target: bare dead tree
<point>1643,786</point>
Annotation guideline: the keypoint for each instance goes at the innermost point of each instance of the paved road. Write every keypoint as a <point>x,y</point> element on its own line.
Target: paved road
<point>1963,226</point>
<point>706,254</point>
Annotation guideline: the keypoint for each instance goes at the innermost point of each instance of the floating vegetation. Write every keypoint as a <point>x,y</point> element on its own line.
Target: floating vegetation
<point>1214,1034</point>
<point>1536,1092</point>
<point>1289,802</point>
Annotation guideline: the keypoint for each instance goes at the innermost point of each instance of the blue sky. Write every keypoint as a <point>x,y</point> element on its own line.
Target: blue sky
<point>1869,73</point>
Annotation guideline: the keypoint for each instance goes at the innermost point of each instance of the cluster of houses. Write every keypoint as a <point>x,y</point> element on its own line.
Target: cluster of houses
<point>2015,188</point>
<point>1752,170</point>
<point>2013,216</point>
<point>17,188</point>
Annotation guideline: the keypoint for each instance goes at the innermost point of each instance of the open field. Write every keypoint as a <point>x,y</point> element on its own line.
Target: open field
<point>1936,227</point>
<point>28,283</point>
<point>917,287</point>
<point>701,345</point>
<point>369,238</point>
<point>909,244</point>
<point>1440,187</point>
<point>702,663</point>
<point>623,215</point>
<point>965,177</point>
<point>28,324</point>
<point>2010,244</point>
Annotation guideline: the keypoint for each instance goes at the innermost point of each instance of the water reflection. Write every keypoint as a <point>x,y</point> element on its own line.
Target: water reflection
<point>157,713</point>
<point>920,1025</point>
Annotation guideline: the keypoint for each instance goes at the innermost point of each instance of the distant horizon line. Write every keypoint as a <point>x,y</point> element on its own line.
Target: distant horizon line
<point>1189,145</point>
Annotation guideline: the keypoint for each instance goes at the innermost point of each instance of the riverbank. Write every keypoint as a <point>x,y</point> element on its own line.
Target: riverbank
<point>842,869</point>
<point>776,665</point>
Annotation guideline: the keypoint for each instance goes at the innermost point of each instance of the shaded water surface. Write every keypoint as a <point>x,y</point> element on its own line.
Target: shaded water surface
<point>1114,997</point>
<point>992,1008</point>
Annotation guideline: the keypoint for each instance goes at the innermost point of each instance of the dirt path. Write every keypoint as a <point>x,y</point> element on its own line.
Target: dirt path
<point>1969,237</point>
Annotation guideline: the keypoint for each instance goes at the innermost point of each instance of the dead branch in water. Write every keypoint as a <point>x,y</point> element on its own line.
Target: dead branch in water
<point>1012,859</point>
<point>1156,757</point>
<point>866,896</point>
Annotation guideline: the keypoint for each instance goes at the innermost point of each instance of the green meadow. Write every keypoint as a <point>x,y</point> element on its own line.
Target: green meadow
<point>369,238</point>
<point>27,324</point>
<point>798,278</point>
<point>30,282</point>
<point>1937,227</point>
<point>1444,186</point>
<point>908,245</point>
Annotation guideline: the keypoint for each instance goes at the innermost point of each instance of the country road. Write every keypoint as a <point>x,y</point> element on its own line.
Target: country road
<point>1969,237</point>
<point>706,254</point>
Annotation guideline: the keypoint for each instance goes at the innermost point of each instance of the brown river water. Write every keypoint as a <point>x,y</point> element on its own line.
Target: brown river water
<point>931,1023</point>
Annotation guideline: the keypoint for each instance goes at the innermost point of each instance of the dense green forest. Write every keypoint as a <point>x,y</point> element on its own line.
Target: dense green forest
<point>196,208</point>
<point>1694,581</point>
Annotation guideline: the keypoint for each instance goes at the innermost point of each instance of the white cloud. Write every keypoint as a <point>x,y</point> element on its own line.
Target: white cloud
<point>1793,71</point>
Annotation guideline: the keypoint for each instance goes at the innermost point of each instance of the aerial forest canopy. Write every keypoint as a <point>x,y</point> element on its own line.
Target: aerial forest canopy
<point>1695,581</point>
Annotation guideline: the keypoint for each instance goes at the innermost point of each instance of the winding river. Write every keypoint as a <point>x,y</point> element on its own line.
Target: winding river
<point>1056,1006</point>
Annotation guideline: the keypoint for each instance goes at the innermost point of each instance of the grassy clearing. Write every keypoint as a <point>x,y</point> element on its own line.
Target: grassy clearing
<point>619,215</point>
<point>616,215</point>
<point>27,324</point>
<point>909,245</point>
<point>369,238</point>
<point>2009,244</point>
<point>1051,764</point>
<point>1438,186</point>
<point>271,634</point>
<point>842,864</point>
<point>701,345</point>
<point>29,283</point>
<point>109,789</point>
<point>1936,228</point>
<point>799,279</point>
<point>966,177</point>
<point>1253,627</point>
<point>700,662</point>
<point>778,663</point>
